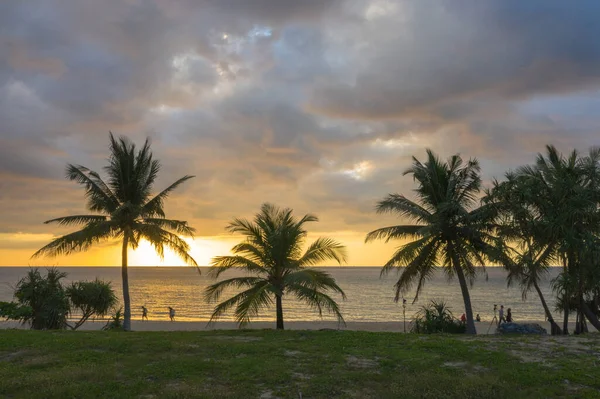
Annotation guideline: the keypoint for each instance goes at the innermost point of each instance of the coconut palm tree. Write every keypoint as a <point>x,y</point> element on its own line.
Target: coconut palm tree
<point>528,253</point>
<point>449,227</point>
<point>566,203</point>
<point>275,265</point>
<point>126,210</point>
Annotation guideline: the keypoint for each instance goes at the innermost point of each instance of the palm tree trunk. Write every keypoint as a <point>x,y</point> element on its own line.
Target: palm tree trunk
<point>126,300</point>
<point>566,307</point>
<point>554,328</point>
<point>589,314</point>
<point>279,306</point>
<point>466,297</point>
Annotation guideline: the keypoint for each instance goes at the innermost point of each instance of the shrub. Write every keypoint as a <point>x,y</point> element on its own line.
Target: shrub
<point>436,317</point>
<point>91,298</point>
<point>46,297</point>
<point>115,322</point>
<point>44,303</point>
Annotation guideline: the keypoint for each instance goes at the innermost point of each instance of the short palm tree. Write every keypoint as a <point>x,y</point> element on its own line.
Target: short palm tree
<point>449,228</point>
<point>275,265</point>
<point>127,211</point>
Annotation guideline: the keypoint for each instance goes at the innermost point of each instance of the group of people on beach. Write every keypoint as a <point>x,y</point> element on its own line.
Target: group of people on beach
<point>501,318</point>
<point>145,313</point>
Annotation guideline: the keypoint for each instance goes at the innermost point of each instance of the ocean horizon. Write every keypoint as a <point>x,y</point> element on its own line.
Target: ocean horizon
<point>370,298</point>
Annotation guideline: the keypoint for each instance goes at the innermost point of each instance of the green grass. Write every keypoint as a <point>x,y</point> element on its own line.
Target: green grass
<point>270,364</point>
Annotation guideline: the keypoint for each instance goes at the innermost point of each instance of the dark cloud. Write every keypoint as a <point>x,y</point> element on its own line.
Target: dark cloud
<point>450,51</point>
<point>316,105</point>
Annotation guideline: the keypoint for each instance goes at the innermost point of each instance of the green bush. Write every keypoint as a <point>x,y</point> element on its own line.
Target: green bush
<point>115,322</point>
<point>436,317</point>
<point>44,303</point>
<point>91,298</point>
<point>46,297</point>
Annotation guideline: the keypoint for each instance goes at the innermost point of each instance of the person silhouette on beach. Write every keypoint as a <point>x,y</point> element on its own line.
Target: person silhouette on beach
<point>171,313</point>
<point>144,313</point>
<point>501,318</point>
<point>477,318</point>
<point>509,318</point>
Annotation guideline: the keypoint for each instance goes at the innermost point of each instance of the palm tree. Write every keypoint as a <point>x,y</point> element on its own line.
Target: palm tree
<point>127,211</point>
<point>275,265</point>
<point>530,255</point>
<point>565,202</point>
<point>449,227</point>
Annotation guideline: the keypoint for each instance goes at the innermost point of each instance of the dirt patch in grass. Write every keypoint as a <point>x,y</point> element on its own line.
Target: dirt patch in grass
<point>237,338</point>
<point>361,362</point>
<point>12,356</point>
<point>292,353</point>
<point>301,376</point>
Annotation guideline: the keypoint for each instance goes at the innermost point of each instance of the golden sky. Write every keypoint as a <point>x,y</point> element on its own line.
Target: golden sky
<point>317,105</point>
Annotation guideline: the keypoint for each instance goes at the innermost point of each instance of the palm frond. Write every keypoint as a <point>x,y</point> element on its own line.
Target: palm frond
<point>317,300</point>
<point>154,207</point>
<point>323,249</point>
<point>247,303</point>
<point>399,204</point>
<point>159,238</point>
<point>314,279</point>
<point>397,232</point>
<point>100,197</point>
<point>177,226</point>
<point>77,220</point>
<point>213,292</point>
<point>221,264</point>
<point>80,240</point>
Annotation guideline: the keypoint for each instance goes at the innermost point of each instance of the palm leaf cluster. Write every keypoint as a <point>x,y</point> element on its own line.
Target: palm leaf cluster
<point>125,207</point>
<point>549,212</point>
<point>447,228</point>
<point>275,265</point>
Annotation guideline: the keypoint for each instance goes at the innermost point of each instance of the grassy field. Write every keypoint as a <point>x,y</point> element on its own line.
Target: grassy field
<point>317,364</point>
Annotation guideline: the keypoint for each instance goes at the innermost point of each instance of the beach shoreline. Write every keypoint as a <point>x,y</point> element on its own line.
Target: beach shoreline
<point>398,327</point>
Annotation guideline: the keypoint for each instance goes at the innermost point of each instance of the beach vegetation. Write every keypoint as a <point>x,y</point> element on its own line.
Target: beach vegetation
<point>436,317</point>
<point>124,209</point>
<point>444,226</point>
<point>43,303</point>
<point>276,265</point>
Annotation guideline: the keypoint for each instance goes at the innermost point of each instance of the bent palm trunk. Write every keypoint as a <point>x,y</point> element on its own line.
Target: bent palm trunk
<point>126,301</point>
<point>467,300</point>
<point>592,318</point>
<point>554,328</point>
<point>279,306</point>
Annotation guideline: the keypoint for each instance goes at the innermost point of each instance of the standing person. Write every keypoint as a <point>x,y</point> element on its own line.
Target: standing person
<point>463,318</point>
<point>171,313</point>
<point>509,316</point>
<point>501,315</point>
<point>478,318</point>
<point>144,313</point>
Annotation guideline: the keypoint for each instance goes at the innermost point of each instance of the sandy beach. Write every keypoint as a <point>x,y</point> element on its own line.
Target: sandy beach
<point>482,327</point>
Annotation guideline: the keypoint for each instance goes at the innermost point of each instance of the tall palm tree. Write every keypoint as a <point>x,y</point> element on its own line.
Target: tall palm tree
<point>528,253</point>
<point>272,257</point>
<point>566,203</point>
<point>127,211</point>
<point>449,227</point>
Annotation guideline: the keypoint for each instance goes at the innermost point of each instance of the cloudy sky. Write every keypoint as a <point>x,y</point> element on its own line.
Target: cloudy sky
<point>315,104</point>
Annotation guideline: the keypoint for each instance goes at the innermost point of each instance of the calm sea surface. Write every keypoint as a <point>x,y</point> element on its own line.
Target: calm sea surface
<point>369,297</point>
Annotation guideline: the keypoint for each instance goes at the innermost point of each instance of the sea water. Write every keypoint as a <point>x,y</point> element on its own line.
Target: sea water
<point>370,298</point>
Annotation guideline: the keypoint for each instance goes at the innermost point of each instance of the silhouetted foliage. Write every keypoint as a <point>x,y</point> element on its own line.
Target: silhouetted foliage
<point>272,256</point>
<point>436,317</point>
<point>44,303</point>
<point>91,298</point>
<point>127,210</point>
